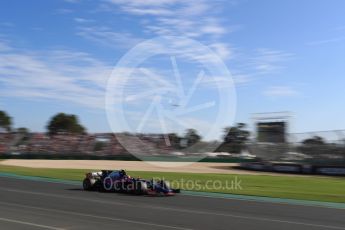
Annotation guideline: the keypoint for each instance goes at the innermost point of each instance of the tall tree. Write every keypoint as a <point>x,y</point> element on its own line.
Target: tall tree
<point>174,139</point>
<point>315,140</point>
<point>23,135</point>
<point>234,139</point>
<point>192,137</point>
<point>236,134</point>
<point>65,123</point>
<point>315,145</point>
<point>23,130</point>
<point>5,121</point>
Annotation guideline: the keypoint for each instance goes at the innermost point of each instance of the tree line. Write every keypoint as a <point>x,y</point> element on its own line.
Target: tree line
<point>234,138</point>
<point>62,123</point>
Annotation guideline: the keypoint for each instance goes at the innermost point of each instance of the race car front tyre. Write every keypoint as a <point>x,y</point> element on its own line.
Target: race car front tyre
<point>87,184</point>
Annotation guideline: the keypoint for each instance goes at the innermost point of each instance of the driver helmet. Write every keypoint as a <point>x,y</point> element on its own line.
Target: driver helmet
<point>122,172</point>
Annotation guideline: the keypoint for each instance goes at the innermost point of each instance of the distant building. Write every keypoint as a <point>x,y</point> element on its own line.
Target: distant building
<point>272,127</point>
<point>272,132</point>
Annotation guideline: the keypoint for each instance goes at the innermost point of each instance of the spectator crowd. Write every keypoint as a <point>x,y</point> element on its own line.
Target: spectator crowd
<point>101,144</point>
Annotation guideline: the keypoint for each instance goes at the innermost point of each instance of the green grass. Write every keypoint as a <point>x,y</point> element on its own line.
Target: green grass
<point>330,189</point>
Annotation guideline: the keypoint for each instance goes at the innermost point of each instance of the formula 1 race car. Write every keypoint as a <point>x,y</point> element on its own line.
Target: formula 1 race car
<point>119,181</point>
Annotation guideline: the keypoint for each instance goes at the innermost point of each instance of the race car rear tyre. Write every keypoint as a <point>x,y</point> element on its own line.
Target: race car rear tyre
<point>87,184</point>
<point>118,187</point>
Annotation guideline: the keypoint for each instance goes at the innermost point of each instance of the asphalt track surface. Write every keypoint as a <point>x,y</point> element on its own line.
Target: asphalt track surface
<point>26,204</point>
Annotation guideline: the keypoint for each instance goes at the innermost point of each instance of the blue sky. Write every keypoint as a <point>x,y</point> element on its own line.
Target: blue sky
<point>56,56</point>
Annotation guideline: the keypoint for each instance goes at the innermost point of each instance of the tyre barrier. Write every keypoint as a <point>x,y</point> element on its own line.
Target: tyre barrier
<point>330,170</point>
<point>287,167</point>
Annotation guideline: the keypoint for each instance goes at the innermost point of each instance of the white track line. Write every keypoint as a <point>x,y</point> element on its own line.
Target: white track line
<point>96,217</point>
<point>29,224</point>
<point>186,211</point>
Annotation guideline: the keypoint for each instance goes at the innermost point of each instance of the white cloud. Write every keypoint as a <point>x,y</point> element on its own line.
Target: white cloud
<point>223,50</point>
<point>196,19</point>
<point>60,75</point>
<point>72,77</point>
<point>191,18</point>
<point>189,26</point>
<point>241,79</point>
<point>326,41</point>
<point>225,82</point>
<point>217,82</point>
<point>82,20</point>
<point>268,60</point>
<point>105,36</point>
<point>280,91</point>
<point>161,7</point>
<point>182,18</point>
<point>213,29</point>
